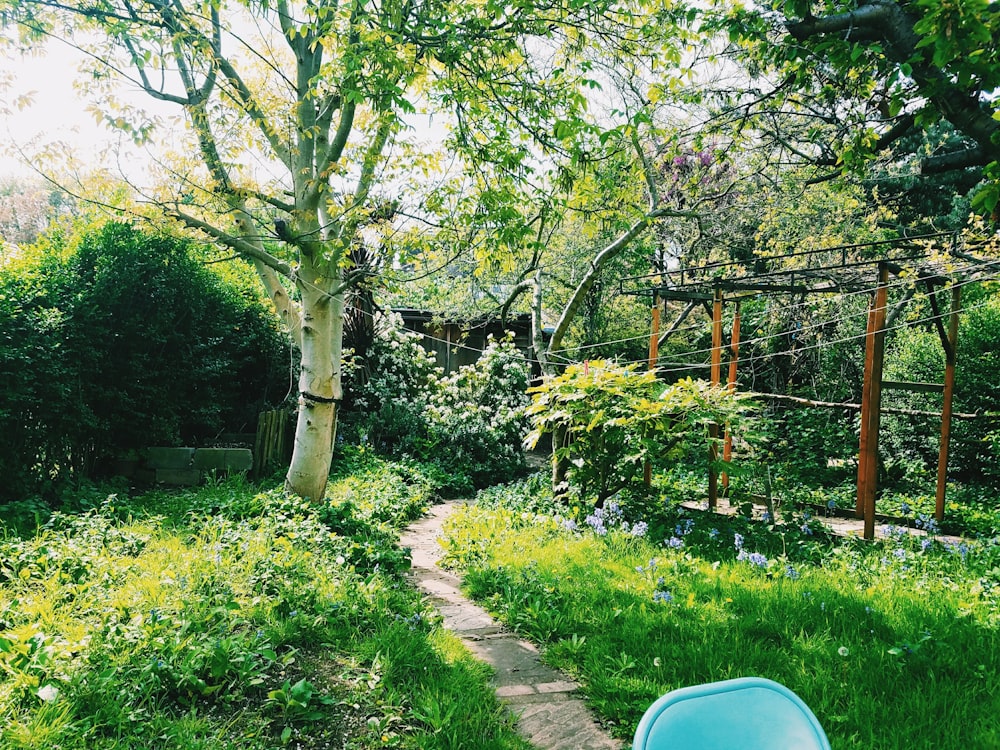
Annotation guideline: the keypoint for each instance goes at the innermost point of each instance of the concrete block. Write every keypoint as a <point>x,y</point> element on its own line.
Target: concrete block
<point>184,477</point>
<point>169,458</point>
<point>223,459</point>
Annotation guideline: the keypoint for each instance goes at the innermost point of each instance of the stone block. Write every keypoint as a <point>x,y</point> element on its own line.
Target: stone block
<point>169,458</point>
<point>184,477</point>
<point>223,459</point>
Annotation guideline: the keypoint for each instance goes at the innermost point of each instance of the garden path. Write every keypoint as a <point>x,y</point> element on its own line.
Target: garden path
<point>547,704</point>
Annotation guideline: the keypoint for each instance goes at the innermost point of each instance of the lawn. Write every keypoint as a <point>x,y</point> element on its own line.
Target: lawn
<point>232,617</point>
<point>894,644</point>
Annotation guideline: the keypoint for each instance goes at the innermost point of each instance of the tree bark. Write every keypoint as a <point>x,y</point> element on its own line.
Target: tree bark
<point>318,385</point>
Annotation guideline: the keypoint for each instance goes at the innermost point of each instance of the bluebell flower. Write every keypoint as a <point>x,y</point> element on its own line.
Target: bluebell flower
<point>926,544</point>
<point>713,533</point>
<point>806,529</point>
<point>905,509</point>
<point>662,596</point>
<point>765,516</point>
<point>791,572</point>
<point>674,542</point>
<point>924,521</point>
<point>754,558</point>
<point>596,521</point>
<point>640,529</point>
<point>899,553</point>
<point>738,540</point>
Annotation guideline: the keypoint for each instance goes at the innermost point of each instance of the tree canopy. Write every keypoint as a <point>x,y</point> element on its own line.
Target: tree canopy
<point>864,78</point>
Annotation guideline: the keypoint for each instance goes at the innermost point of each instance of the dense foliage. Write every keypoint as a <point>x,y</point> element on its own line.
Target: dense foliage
<point>121,342</point>
<point>918,355</point>
<point>469,423</point>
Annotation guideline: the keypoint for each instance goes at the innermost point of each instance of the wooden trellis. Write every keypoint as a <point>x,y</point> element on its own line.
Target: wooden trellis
<point>709,285</point>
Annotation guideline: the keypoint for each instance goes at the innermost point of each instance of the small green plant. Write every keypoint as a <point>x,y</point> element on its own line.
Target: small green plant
<point>297,702</point>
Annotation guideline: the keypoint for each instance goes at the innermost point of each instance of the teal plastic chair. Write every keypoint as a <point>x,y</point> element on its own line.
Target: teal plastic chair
<point>750,713</point>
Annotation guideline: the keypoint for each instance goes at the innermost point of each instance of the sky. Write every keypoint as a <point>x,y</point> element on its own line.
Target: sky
<point>55,113</point>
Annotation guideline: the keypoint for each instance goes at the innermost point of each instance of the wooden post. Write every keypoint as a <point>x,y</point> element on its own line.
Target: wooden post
<point>859,505</point>
<point>734,351</point>
<point>713,450</point>
<point>871,404</point>
<point>950,356</point>
<point>654,346</point>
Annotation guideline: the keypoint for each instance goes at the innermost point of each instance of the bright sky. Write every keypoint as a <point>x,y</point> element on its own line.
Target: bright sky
<point>55,113</point>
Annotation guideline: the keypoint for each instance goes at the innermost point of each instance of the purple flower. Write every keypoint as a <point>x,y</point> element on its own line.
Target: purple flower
<point>927,523</point>
<point>754,558</point>
<point>640,529</point>
<point>596,521</point>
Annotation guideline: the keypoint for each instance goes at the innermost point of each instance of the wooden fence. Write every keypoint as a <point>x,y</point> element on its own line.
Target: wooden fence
<point>271,444</point>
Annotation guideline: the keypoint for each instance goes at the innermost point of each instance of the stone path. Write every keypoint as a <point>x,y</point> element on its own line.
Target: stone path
<point>550,713</point>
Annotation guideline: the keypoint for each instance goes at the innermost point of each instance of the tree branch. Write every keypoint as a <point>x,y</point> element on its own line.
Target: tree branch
<point>241,245</point>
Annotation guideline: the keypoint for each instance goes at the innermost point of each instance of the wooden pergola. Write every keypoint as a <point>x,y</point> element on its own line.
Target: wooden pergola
<point>861,268</point>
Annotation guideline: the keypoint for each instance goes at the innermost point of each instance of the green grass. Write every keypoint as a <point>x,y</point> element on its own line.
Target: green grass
<point>893,645</point>
<point>231,617</point>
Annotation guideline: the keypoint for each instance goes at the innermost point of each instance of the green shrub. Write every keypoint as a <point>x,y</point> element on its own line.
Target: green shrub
<point>125,342</point>
<point>607,421</point>
<point>918,355</point>
<point>468,425</point>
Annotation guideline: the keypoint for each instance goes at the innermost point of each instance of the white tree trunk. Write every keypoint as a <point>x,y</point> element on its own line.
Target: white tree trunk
<point>319,385</point>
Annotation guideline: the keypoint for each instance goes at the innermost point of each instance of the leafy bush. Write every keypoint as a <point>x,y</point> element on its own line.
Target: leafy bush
<point>918,355</point>
<point>125,342</point>
<point>469,425</point>
<point>607,421</point>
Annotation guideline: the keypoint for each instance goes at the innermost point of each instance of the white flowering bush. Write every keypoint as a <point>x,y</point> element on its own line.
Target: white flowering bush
<point>477,418</point>
<point>470,423</point>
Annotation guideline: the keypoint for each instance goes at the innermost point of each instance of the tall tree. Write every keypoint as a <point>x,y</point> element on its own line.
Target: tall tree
<point>297,112</point>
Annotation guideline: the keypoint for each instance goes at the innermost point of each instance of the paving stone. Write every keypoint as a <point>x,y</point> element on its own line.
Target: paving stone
<point>565,725</point>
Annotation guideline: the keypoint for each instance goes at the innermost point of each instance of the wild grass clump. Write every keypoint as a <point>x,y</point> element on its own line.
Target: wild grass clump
<point>893,644</point>
<point>250,620</point>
